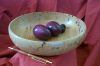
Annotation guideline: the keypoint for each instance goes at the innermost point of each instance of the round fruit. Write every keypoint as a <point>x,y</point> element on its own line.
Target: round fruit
<point>41,32</point>
<point>54,27</point>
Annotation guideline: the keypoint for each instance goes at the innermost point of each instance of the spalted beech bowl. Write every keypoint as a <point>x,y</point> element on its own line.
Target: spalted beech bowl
<point>21,33</point>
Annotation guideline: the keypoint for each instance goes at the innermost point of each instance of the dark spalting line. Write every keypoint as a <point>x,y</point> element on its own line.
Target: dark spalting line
<point>68,19</point>
<point>76,22</point>
<point>78,26</point>
<point>79,30</point>
<point>43,44</point>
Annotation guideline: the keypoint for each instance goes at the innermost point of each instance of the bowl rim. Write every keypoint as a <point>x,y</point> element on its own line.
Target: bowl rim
<point>10,31</point>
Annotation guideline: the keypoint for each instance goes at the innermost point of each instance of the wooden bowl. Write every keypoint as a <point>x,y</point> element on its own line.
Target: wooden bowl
<point>21,33</point>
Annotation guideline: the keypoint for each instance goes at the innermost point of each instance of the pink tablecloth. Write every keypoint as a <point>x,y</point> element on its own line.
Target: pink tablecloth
<point>87,54</point>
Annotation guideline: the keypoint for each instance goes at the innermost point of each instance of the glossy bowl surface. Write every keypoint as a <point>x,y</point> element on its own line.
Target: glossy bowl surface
<point>21,33</point>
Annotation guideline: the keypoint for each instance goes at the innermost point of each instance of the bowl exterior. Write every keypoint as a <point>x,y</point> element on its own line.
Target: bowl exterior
<point>46,48</point>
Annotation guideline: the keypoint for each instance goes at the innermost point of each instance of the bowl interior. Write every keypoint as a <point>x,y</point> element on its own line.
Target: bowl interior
<point>23,25</point>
